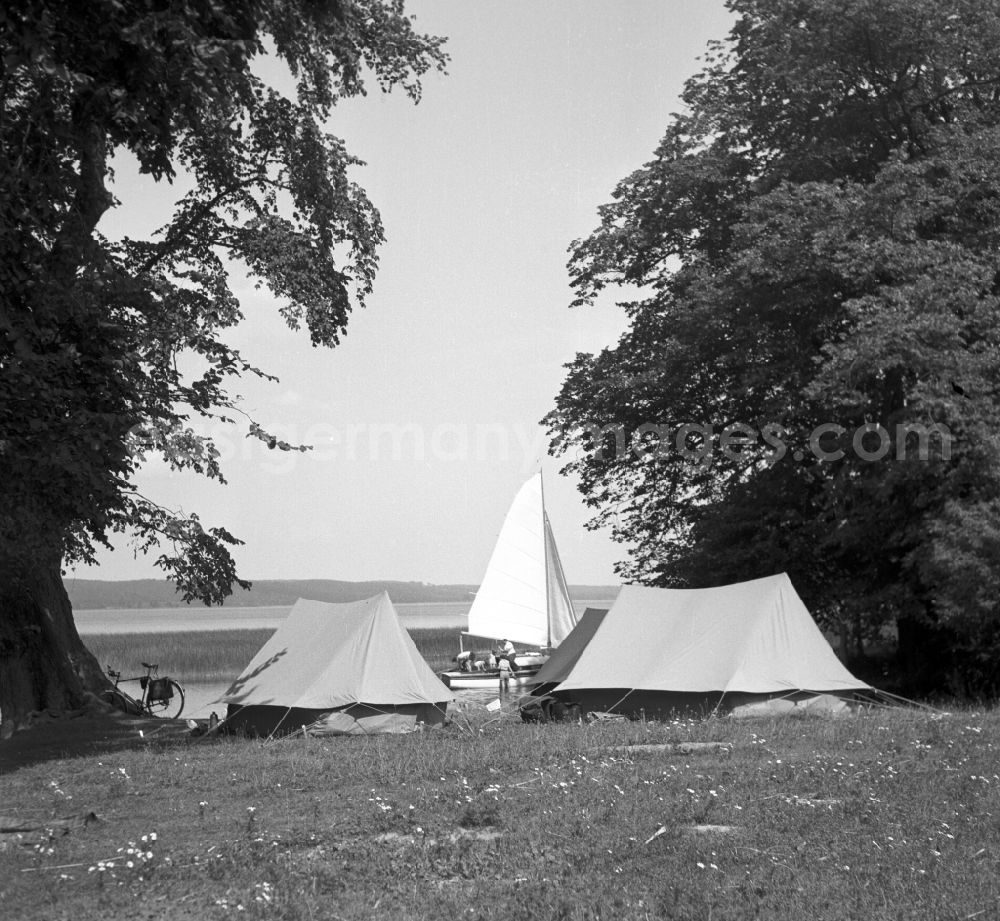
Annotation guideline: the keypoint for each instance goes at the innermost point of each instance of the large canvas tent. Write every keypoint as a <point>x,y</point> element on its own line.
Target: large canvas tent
<point>694,651</point>
<point>338,668</point>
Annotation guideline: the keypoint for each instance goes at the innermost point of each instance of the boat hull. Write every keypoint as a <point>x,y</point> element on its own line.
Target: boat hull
<point>487,680</point>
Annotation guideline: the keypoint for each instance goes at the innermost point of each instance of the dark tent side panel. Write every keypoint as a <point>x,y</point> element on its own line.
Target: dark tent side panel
<point>670,705</point>
<point>265,720</point>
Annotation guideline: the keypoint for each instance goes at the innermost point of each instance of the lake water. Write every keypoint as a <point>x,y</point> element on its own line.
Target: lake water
<point>452,615</point>
<point>447,615</point>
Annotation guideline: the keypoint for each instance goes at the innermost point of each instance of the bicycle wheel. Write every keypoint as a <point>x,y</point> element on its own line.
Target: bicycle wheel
<point>170,708</point>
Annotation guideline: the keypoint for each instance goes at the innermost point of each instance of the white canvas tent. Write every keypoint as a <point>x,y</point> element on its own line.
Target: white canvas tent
<point>346,667</point>
<point>661,651</point>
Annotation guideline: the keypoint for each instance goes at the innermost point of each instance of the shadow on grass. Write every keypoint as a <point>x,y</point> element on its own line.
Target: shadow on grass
<point>81,736</point>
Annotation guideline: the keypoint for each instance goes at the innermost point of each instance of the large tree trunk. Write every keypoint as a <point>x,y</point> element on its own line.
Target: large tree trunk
<point>43,662</point>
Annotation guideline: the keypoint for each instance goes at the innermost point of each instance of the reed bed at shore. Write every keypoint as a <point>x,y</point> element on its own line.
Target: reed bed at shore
<point>437,646</point>
<point>220,655</point>
<point>879,816</point>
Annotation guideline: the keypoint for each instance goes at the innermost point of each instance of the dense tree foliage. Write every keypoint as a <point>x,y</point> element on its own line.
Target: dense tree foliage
<point>810,378</point>
<point>91,329</point>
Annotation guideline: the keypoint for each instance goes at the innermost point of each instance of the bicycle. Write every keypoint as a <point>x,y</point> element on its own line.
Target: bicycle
<point>161,697</point>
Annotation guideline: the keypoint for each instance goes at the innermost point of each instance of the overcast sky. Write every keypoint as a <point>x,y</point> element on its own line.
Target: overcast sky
<point>425,419</point>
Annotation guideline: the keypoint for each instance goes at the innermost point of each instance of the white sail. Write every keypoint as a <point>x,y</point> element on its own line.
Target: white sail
<point>524,582</point>
<point>562,617</point>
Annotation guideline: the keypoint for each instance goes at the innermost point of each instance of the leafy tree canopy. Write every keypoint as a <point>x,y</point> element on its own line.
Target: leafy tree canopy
<point>810,378</point>
<point>92,329</point>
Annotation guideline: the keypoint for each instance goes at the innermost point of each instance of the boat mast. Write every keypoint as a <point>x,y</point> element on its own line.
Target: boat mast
<point>545,558</point>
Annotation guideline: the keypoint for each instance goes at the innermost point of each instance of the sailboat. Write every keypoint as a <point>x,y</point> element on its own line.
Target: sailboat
<point>523,596</point>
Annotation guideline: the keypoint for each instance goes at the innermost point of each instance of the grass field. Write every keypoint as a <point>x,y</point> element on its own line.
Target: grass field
<point>220,655</point>
<point>878,816</point>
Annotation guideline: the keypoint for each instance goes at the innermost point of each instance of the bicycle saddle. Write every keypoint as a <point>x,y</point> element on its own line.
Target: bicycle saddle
<point>147,665</point>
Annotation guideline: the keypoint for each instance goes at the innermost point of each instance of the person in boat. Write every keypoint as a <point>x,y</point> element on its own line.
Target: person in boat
<point>464,660</point>
<point>491,661</point>
<point>506,651</point>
